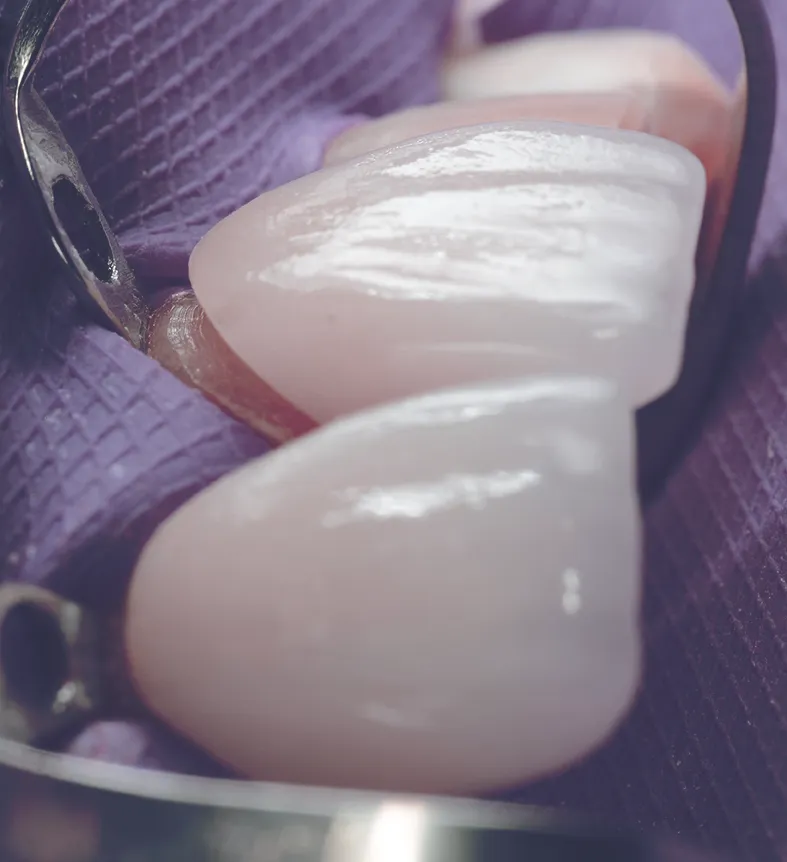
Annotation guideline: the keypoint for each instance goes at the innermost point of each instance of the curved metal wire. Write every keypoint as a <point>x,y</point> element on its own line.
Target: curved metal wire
<point>163,817</point>
<point>664,427</point>
<point>101,278</point>
<point>72,218</point>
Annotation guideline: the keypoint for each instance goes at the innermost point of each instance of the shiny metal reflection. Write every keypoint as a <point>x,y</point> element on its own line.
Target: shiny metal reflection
<point>73,220</point>
<point>62,809</point>
<point>56,809</point>
<point>101,277</point>
<point>51,675</point>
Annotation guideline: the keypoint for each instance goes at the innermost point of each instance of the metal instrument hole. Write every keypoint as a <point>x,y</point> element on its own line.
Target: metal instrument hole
<point>82,223</point>
<point>33,656</point>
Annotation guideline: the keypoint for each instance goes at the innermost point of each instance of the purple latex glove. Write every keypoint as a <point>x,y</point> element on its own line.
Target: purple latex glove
<point>705,751</point>
<point>174,130</point>
<point>174,133</point>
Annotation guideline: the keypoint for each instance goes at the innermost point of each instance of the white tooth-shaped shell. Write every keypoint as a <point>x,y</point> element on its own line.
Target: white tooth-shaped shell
<point>467,33</point>
<point>439,595</point>
<point>467,255</point>
<point>605,61</point>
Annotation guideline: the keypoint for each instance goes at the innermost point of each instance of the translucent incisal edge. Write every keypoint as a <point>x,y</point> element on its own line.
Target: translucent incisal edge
<point>26,770</point>
<point>476,253</point>
<point>464,566</point>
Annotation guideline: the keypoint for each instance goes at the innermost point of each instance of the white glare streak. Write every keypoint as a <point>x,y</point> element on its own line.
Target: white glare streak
<point>397,834</point>
<point>572,600</point>
<point>417,500</point>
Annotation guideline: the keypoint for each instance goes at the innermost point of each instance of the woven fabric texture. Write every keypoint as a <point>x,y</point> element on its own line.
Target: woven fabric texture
<point>180,112</point>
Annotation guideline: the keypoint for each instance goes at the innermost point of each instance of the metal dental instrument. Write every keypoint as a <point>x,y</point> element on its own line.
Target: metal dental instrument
<point>100,276</point>
<point>54,673</point>
<point>61,667</point>
<point>70,214</point>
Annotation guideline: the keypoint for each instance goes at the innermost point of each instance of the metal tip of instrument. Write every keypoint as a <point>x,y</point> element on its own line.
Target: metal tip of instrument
<point>49,676</point>
<point>60,666</point>
<point>72,218</point>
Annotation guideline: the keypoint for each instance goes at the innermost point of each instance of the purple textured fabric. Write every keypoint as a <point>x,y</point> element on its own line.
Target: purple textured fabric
<point>183,110</point>
<point>705,750</point>
<point>180,112</point>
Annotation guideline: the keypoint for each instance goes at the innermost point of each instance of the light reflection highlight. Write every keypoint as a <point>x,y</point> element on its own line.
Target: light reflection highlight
<point>397,834</point>
<point>572,599</point>
<point>418,500</point>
